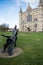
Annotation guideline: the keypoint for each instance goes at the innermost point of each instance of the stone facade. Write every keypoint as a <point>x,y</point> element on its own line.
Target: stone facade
<point>31,19</point>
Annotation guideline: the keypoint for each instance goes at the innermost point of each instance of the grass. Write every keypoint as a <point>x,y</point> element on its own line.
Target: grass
<point>32,45</point>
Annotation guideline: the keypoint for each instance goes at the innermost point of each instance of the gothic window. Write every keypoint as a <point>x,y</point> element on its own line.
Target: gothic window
<point>42,27</point>
<point>29,18</point>
<point>28,10</point>
<point>35,19</point>
<point>35,25</point>
<point>42,14</point>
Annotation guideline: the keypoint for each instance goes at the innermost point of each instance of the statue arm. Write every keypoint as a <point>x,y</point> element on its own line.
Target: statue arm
<point>6,36</point>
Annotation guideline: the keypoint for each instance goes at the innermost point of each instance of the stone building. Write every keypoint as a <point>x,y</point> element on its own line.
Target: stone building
<point>31,19</point>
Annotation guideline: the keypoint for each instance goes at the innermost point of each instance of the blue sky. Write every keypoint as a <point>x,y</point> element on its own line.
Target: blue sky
<point>9,10</point>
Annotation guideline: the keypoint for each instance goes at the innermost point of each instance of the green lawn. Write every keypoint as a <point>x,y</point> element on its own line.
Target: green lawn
<point>32,45</point>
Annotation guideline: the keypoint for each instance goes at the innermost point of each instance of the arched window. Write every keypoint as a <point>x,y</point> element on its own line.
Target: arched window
<point>29,18</point>
<point>35,19</point>
<point>42,27</point>
<point>35,25</point>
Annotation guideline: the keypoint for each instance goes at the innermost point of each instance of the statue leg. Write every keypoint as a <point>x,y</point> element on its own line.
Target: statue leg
<point>15,42</point>
<point>10,48</point>
<point>6,44</point>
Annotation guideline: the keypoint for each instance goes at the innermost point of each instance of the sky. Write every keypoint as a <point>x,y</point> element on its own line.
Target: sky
<point>9,10</point>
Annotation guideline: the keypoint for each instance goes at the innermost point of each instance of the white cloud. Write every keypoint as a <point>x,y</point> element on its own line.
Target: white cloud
<point>28,0</point>
<point>1,19</point>
<point>17,2</point>
<point>11,21</point>
<point>33,3</point>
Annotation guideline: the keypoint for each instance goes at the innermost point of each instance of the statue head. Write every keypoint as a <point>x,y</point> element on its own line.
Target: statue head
<point>15,26</point>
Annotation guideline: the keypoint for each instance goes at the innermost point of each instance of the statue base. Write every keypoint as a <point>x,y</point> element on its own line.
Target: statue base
<point>17,51</point>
